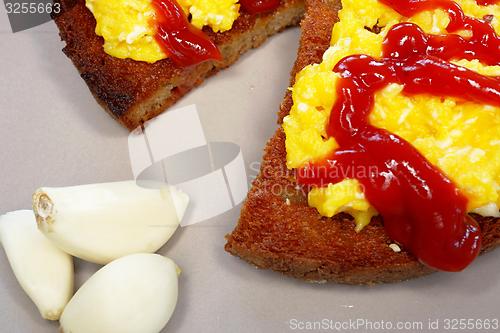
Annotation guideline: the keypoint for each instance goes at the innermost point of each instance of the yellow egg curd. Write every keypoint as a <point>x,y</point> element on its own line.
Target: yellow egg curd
<point>128,32</point>
<point>461,138</point>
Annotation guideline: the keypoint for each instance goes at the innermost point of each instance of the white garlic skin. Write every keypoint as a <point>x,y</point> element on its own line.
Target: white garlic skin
<point>103,222</point>
<point>44,272</point>
<point>134,294</point>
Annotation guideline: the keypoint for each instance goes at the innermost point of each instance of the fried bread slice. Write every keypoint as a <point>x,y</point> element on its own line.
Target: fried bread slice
<point>133,92</point>
<point>278,230</point>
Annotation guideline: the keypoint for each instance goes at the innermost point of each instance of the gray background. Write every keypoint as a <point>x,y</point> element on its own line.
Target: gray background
<point>35,15</point>
<point>54,134</point>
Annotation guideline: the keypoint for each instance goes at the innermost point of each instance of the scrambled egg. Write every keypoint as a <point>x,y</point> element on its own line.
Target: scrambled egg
<point>219,15</point>
<point>460,138</point>
<point>128,31</point>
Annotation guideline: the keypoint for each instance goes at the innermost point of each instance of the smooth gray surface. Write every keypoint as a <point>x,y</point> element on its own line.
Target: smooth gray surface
<point>54,134</point>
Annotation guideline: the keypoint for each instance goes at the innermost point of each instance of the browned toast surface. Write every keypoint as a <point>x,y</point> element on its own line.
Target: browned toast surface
<point>278,230</point>
<point>134,91</point>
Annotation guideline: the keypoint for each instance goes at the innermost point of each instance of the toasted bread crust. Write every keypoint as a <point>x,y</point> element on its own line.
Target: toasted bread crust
<point>278,230</point>
<point>134,91</point>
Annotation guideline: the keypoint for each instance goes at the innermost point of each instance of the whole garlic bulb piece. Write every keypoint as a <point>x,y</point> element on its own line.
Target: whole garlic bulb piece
<point>134,294</point>
<point>44,272</point>
<point>103,222</point>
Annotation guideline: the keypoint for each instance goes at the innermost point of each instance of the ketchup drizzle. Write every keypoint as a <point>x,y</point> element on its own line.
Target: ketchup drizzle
<point>185,44</point>
<point>180,40</point>
<point>421,208</point>
<point>484,43</point>
<point>487,2</point>
<point>259,6</point>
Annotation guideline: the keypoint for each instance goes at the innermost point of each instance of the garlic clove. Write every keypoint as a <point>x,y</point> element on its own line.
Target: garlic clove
<point>102,222</point>
<point>44,272</point>
<point>133,294</point>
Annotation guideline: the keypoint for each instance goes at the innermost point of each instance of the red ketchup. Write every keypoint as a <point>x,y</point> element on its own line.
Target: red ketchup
<point>487,2</point>
<point>259,6</point>
<point>179,39</point>
<point>422,209</point>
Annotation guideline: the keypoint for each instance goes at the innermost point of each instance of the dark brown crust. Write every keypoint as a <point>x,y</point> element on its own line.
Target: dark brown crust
<point>293,238</point>
<point>133,91</point>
